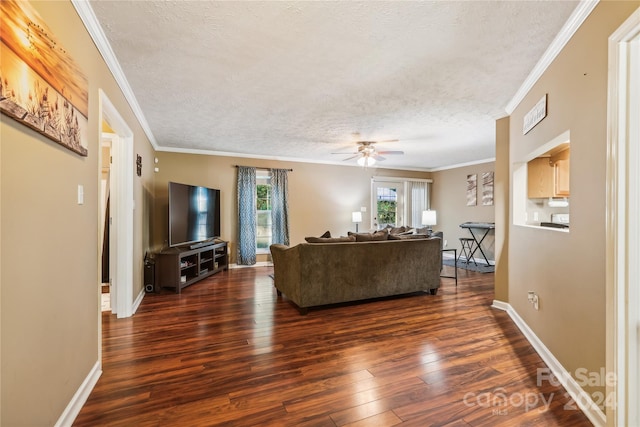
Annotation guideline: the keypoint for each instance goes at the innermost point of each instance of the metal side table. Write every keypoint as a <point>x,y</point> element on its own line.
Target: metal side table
<point>455,264</point>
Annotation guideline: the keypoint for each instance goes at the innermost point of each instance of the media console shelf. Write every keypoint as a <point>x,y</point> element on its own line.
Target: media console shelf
<point>181,267</point>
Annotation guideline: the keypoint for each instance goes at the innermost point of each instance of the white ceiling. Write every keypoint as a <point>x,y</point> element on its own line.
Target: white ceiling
<point>295,79</point>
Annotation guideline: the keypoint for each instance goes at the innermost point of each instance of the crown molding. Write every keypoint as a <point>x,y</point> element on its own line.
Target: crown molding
<point>282,158</point>
<point>94,29</point>
<point>577,18</point>
<point>462,165</point>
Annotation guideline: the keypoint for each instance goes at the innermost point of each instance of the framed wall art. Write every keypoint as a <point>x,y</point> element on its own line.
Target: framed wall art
<point>487,188</point>
<point>41,86</point>
<point>472,184</point>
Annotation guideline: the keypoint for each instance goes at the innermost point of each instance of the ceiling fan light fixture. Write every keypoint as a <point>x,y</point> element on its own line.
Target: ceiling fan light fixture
<point>366,161</point>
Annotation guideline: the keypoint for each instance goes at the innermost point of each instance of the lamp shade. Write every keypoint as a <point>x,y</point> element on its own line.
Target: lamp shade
<point>356,217</point>
<point>429,217</point>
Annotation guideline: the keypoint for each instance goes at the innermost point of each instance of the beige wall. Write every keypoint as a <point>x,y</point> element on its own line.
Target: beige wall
<point>501,199</point>
<point>321,197</point>
<point>568,270</point>
<point>449,199</point>
<point>49,269</point>
<point>49,272</point>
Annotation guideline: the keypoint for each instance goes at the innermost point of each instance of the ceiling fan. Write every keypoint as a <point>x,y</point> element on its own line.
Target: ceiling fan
<point>367,154</point>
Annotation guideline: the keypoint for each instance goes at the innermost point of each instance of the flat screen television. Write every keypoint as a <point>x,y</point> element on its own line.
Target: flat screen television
<point>194,214</point>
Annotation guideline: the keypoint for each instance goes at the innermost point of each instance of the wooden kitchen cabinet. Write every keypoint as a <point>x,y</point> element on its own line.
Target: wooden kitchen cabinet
<point>561,173</point>
<point>549,176</point>
<point>540,178</point>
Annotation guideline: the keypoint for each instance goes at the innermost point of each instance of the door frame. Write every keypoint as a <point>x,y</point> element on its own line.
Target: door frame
<point>386,182</point>
<point>121,252</point>
<point>622,227</point>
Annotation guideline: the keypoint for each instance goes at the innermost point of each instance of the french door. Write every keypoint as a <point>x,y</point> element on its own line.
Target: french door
<point>387,204</point>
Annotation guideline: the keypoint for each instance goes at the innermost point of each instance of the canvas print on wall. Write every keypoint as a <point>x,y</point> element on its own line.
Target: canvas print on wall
<point>41,86</point>
<point>471,189</point>
<point>487,188</point>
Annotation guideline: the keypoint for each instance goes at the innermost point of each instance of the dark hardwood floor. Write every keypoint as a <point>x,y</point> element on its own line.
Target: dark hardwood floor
<point>228,351</point>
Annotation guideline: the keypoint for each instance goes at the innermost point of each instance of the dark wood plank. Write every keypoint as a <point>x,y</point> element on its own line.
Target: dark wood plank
<point>230,351</point>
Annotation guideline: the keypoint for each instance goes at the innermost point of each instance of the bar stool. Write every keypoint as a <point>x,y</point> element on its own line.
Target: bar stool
<point>467,249</point>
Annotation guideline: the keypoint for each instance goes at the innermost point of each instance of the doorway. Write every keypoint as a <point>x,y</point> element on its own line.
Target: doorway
<point>105,217</point>
<point>387,203</point>
<point>116,135</point>
<point>623,228</point>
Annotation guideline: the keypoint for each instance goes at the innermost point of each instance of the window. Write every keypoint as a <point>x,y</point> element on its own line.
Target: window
<point>387,205</point>
<point>263,211</point>
<point>398,201</point>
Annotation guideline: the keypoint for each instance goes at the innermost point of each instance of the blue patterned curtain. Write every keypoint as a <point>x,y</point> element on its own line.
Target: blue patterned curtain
<point>246,216</point>
<point>279,207</point>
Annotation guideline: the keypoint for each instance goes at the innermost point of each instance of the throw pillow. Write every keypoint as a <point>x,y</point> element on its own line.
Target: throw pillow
<point>368,237</point>
<point>330,239</point>
<point>397,230</point>
<point>407,231</point>
<point>424,230</point>
<point>326,235</point>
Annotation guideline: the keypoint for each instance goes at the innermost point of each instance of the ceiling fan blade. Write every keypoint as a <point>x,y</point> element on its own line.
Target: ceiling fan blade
<point>389,140</point>
<point>378,158</point>
<point>348,152</point>
<point>352,157</point>
<point>391,152</point>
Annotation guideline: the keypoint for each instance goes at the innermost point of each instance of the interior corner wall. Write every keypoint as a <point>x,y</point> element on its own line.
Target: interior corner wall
<point>0,281</point>
<point>502,202</point>
<point>449,199</point>
<point>321,197</point>
<point>49,316</point>
<point>567,270</point>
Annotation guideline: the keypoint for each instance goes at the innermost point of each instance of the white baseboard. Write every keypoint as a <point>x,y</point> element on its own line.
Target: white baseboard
<point>257,264</point>
<point>137,302</point>
<point>80,397</point>
<point>581,398</point>
<point>500,305</point>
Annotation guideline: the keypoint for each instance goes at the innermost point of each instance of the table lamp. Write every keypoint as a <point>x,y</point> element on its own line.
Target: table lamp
<point>357,218</point>
<point>429,219</point>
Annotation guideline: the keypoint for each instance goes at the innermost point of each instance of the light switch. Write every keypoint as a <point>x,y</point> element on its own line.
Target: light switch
<point>80,194</point>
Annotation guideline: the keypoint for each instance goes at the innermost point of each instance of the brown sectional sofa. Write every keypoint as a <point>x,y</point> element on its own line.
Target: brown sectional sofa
<point>314,274</point>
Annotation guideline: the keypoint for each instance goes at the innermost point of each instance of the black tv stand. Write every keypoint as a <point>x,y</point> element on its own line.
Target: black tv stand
<point>181,267</point>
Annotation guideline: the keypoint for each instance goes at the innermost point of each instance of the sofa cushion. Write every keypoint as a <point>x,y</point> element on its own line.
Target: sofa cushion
<point>368,237</point>
<point>408,230</point>
<point>407,236</point>
<point>330,239</point>
<point>424,230</point>
<point>396,230</point>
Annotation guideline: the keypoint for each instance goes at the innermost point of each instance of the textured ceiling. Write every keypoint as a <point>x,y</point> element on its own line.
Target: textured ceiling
<point>295,80</point>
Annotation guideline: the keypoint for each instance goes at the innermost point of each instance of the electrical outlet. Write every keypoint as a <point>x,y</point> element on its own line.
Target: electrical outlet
<point>444,244</point>
<point>535,216</point>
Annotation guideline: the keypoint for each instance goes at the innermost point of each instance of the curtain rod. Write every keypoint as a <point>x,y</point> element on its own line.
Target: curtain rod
<point>242,166</point>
